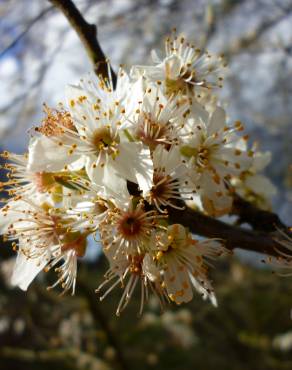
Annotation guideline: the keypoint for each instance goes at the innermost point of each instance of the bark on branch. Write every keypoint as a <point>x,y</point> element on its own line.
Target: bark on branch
<point>257,218</point>
<point>87,34</point>
<point>233,236</point>
<point>265,224</point>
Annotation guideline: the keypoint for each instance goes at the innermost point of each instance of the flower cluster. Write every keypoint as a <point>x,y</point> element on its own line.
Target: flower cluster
<point>113,160</point>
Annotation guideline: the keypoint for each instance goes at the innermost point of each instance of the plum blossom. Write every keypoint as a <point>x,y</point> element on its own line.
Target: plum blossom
<point>115,162</point>
<point>185,69</point>
<point>212,154</point>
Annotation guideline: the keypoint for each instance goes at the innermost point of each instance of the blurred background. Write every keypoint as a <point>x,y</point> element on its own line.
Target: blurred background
<point>252,328</point>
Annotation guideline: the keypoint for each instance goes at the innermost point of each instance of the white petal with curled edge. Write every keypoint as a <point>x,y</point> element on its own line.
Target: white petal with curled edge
<point>155,57</point>
<point>177,282</point>
<point>94,170</point>
<point>12,215</point>
<point>204,292</point>
<point>46,155</point>
<point>150,269</point>
<point>217,121</point>
<point>172,67</point>
<point>26,269</point>
<point>260,184</point>
<point>116,187</point>
<point>134,163</point>
<point>261,160</point>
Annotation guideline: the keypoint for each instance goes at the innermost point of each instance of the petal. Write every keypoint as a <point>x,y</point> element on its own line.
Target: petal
<point>46,155</point>
<point>155,57</point>
<point>177,282</point>
<point>12,215</point>
<point>150,269</point>
<point>26,269</point>
<point>205,293</point>
<point>94,170</point>
<point>198,111</point>
<point>123,85</point>
<point>172,67</point>
<point>260,184</point>
<point>261,160</point>
<point>217,121</point>
<point>153,73</point>
<point>134,163</point>
<point>116,187</point>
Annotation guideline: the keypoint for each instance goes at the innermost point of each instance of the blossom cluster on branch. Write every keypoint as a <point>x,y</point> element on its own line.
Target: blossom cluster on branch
<point>112,160</point>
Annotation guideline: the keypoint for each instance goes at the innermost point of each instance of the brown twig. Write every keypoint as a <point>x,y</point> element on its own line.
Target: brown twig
<point>88,36</point>
<point>233,236</point>
<point>257,218</point>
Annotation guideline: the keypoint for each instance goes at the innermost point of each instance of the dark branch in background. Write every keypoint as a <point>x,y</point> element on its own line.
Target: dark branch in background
<point>88,36</point>
<point>248,39</point>
<point>265,224</point>
<point>101,320</point>
<point>26,30</point>
<point>23,99</point>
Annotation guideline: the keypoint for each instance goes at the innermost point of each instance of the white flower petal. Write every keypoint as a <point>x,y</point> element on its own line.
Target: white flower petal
<point>172,67</point>
<point>26,269</point>
<point>155,57</point>
<point>134,163</point>
<point>46,155</point>
<point>261,160</point>
<point>260,184</point>
<point>217,121</point>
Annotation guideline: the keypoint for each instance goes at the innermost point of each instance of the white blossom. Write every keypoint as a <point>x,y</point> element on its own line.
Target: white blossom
<point>185,68</point>
<point>115,162</point>
<point>254,185</point>
<point>213,157</point>
<point>182,260</point>
<point>44,238</point>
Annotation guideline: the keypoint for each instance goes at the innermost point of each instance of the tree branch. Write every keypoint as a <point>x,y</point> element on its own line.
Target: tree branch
<point>233,236</point>
<point>257,218</point>
<point>88,36</point>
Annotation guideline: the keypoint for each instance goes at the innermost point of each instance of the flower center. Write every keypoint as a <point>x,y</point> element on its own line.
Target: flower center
<point>130,225</point>
<point>43,181</point>
<point>152,133</point>
<point>75,241</point>
<point>161,187</point>
<point>102,138</point>
<point>202,154</point>
<point>180,85</point>
<point>175,239</point>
